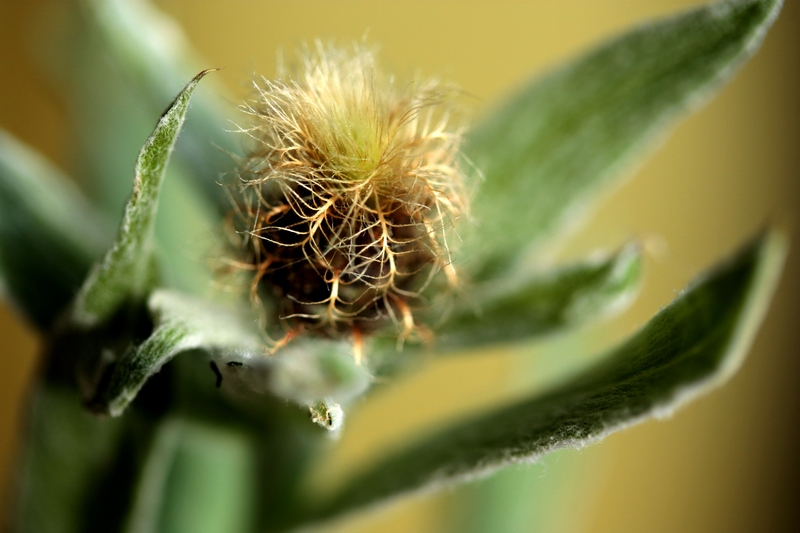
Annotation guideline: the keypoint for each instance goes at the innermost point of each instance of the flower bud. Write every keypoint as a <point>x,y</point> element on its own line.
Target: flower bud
<point>347,198</point>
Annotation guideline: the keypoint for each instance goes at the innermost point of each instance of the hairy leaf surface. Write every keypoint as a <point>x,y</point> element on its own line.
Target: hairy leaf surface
<point>125,272</point>
<point>568,135</point>
<point>694,343</point>
<point>518,309</point>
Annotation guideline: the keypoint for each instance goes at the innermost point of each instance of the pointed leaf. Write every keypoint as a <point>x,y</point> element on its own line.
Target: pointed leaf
<point>125,271</point>
<point>151,52</point>
<point>563,138</point>
<point>49,233</point>
<point>516,310</point>
<point>110,117</point>
<point>696,342</point>
<point>108,120</point>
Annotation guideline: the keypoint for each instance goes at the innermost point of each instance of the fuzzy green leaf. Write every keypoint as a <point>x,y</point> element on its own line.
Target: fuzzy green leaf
<point>125,272</point>
<point>151,52</point>
<point>102,148</point>
<point>694,343</point>
<point>565,137</point>
<point>515,309</point>
<point>181,324</point>
<point>305,371</point>
<point>49,234</point>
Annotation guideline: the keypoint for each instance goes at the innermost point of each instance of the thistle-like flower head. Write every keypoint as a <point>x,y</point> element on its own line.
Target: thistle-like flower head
<point>344,208</point>
<point>346,200</point>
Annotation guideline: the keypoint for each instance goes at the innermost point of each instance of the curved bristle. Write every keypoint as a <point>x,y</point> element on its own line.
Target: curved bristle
<point>346,199</point>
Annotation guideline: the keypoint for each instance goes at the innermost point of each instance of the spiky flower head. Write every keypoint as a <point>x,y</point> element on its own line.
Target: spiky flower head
<point>349,194</point>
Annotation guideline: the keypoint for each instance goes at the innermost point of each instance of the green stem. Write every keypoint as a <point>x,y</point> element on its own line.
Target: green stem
<point>197,479</point>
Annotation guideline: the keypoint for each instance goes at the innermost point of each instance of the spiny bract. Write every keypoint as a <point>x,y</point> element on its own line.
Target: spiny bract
<point>345,202</point>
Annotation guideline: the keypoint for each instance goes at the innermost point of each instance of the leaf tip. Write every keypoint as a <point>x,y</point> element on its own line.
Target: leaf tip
<point>770,249</point>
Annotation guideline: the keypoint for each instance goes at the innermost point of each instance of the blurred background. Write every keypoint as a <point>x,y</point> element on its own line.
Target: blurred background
<point>727,462</point>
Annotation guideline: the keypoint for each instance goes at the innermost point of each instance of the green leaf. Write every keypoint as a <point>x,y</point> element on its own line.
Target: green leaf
<point>519,308</point>
<point>103,148</point>
<point>150,51</point>
<point>181,324</point>
<point>694,343</point>
<point>49,234</point>
<point>138,61</point>
<point>305,371</point>
<point>109,120</point>
<point>562,139</point>
<point>71,457</point>
<point>198,478</point>
<point>522,498</point>
<point>125,272</point>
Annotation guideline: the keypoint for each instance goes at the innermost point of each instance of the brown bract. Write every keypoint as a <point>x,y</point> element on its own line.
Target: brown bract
<point>346,201</point>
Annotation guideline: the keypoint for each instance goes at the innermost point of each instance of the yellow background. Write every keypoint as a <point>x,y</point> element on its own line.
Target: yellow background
<point>727,462</point>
